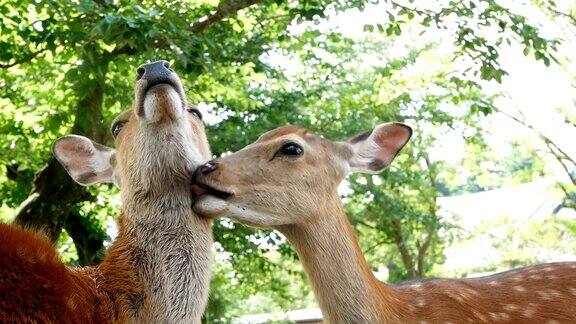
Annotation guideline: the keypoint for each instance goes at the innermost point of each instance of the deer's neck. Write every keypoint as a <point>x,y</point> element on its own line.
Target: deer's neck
<point>343,283</point>
<point>159,266</point>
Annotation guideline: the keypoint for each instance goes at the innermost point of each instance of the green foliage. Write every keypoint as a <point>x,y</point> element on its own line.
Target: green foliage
<point>523,243</point>
<point>56,55</point>
<point>474,24</point>
<point>484,169</point>
<point>67,250</point>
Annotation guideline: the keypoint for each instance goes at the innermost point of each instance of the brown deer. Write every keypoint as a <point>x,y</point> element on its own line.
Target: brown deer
<point>288,179</point>
<point>158,268</point>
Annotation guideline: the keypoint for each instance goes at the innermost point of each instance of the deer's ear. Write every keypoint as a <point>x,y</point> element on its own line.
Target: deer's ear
<point>87,162</point>
<point>373,151</point>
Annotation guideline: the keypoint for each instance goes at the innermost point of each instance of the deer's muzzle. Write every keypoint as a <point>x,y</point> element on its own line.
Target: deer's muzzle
<point>159,92</point>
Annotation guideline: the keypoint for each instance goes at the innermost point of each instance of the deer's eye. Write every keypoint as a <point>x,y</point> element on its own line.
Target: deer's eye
<point>291,149</point>
<point>196,112</point>
<point>117,127</point>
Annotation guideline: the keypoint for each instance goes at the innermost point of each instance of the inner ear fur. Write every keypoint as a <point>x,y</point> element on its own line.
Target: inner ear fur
<point>373,151</point>
<point>85,161</point>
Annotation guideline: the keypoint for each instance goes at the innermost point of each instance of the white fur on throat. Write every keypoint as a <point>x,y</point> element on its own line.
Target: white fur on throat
<point>210,205</point>
<point>178,255</point>
<point>151,102</point>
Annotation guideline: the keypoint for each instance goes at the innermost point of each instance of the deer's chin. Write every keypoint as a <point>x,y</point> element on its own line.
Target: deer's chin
<point>162,100</point>
<point>210,206</point>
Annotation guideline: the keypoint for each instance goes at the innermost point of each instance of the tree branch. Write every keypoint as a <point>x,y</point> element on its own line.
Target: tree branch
<point>159,42</point>
<point>224,10</point>
<point>400,242</point>
<point>561,161</point>
<point>24,59</point>
<point>366,224</point>
<point>423,249</point>
<point>375,245</point>
<point>548,141</point>
<point>129,50</point>
<point>565,15</point>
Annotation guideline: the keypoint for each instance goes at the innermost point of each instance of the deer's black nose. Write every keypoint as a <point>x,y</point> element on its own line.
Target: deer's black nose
<point>207,168</point>
<point>154,72</point>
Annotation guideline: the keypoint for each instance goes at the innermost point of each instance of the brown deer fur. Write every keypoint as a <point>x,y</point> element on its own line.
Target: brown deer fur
<point>46,289</point>
<point>271,184</point>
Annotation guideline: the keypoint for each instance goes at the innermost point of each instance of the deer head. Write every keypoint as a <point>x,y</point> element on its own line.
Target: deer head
<point>289,173</point>
<point>157,142</point>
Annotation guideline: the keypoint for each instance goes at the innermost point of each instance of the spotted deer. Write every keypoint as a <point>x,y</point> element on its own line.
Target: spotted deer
<point>158,268</point>
<point>287,180</point>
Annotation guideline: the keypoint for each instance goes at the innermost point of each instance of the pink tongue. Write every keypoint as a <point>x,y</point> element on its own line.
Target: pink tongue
<point>198,191</point>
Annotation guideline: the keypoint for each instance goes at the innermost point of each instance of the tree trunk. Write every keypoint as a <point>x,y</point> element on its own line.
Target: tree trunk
<point>89,246</point>
<point>405,254</point>
<point>54,193</point>
<point>52,198</point>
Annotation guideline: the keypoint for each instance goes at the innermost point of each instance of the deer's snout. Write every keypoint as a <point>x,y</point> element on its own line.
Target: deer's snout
<point>154,72</point>
<point>201,172</point>
<point>159,93</point>
<point>202,184</point>
<point>208,168</point>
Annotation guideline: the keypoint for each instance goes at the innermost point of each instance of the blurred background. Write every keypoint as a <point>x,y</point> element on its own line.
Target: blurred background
<point>487,183</point>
